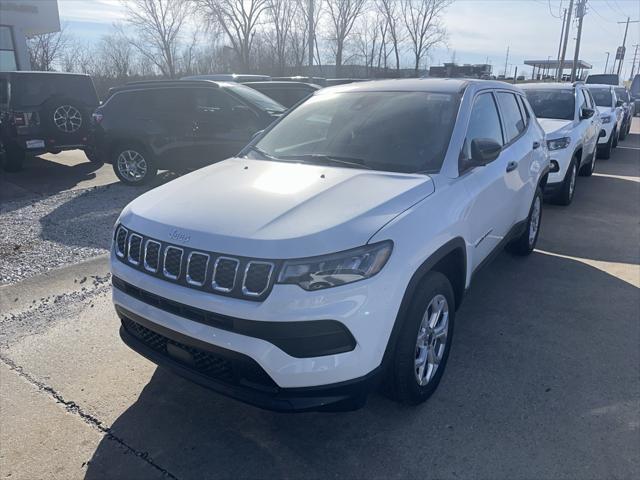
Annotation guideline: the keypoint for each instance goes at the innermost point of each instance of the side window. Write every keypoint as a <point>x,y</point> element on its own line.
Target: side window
<point>484,123</point>
<point>581,100</point>
<point>524,110</point>
<point>587,100</point>
<point>512,119</point>
<point>174,101</point>
<point>592,102</point>
<point>210,100</point>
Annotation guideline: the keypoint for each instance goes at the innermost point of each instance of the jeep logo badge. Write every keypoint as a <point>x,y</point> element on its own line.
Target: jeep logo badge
<point>179,236</point>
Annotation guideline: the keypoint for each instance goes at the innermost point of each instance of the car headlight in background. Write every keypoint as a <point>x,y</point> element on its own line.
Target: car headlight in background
<point>558,143</point>
<point>327,271</point>
<point>605,118</point>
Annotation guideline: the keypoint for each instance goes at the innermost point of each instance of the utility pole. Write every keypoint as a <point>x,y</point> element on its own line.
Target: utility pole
<point>506,62</point>
<point>312,35</point>
<point>624,41</point>
<point>607,62</point>
<point>633,65</point>
<point>564,21</point>
<point>565,42</point>
<point>580,13</point>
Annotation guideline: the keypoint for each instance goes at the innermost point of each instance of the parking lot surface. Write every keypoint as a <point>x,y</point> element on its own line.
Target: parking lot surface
<point>543,379</point>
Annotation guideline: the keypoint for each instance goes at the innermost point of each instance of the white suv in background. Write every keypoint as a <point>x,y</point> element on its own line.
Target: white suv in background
<point>568,115</point>
<point>611,116</point>
<point>334,251</point>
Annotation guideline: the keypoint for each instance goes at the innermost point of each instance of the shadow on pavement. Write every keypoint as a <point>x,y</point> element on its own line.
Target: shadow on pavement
<point>543,379</point>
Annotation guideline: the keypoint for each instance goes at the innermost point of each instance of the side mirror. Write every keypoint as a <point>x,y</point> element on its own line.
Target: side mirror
<point>587,113</point>
<point>602,134</point>
<point>484,151</point>
<point>619,103</point>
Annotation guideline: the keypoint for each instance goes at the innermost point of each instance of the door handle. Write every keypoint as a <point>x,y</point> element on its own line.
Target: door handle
<point>511,166</point>
<point>536,145</point>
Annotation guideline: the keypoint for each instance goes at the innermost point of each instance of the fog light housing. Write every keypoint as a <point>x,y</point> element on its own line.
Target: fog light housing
<point>554,167</point>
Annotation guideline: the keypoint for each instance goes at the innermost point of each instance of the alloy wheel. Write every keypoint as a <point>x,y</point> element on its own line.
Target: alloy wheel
<point>431,341</point>
<point>132,165</point>
<point>67,118</point>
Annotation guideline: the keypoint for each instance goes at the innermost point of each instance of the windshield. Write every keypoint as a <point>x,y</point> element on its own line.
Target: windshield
<point>390,131</point>
<point>256,98</point>
<point>602,96</point>
<point>558,104</point>
<point>605,78</point>
<point>622,94</point>
<point>635,85</point>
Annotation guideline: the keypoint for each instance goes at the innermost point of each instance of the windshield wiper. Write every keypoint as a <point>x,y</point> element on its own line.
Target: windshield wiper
<point>262,152</point>
<point>351,162</point>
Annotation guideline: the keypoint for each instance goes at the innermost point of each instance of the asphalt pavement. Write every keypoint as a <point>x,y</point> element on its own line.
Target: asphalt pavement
<point>543,380</point>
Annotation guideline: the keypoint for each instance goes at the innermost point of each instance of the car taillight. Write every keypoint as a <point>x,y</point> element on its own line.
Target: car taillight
<point>97,117</point>
<point>24,119</point>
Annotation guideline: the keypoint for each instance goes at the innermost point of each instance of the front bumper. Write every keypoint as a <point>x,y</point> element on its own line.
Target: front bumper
<point>563,156</point>
<point>608,128</point>
<point>236,375</point>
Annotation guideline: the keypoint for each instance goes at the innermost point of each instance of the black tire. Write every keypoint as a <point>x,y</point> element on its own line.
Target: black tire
<point>14,158</point>
<point>568,189</point>
<point>523,245</point>
<point>616,137</point>
<point>604,151</point>
<point>588,169</point>
<point>402,376</point>
<point>130,151</point>
<point>623,132</point>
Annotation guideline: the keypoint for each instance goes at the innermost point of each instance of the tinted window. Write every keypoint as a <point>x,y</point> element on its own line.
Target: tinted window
<point>35,89</point>
<point>212,99</point>
<point>622,94</point>
<point>280,95</point>
<point>602,96</point>
<point>391,131</point>
<point>255,98</point>
<point>587,99</point>
<point>558,104</point>
<point>484,123</point>
<point>604,78</point>
<point>523,108</point>
<point>511,116</point>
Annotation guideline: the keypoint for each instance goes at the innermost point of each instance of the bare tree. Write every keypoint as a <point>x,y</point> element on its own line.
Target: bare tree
<point>369,36</point>
<point>281,15</point>
<point>47,49</point>
<point>391,10</point>
<point>423,22</point>
<point>157,25</point>
<point>238,19</point>
<point>116,55</point>
<point>343,15</point>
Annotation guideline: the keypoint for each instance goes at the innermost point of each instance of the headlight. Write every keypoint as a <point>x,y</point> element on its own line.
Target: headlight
<point>605,118</point>
<point>558,143</point>
<point>327,271</point>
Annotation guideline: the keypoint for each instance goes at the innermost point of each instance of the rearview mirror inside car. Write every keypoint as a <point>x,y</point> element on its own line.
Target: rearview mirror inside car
<point>587,113</point>
<point>484,150</point>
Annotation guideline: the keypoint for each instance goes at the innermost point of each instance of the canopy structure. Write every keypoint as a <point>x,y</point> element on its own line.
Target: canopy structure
<point>550,67</point>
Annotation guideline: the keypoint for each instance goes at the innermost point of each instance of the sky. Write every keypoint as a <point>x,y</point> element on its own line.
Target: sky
<point>478,30</point>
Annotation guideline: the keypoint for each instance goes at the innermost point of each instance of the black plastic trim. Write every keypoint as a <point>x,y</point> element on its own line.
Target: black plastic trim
<point>342,396</point>
<point>300,339</point>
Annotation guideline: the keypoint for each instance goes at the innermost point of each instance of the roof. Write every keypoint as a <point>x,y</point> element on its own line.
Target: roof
<point>547,86</point>
<point>38,72</point>
<point>599,85</point>
<point>433,85</point>
<point>556,64</point>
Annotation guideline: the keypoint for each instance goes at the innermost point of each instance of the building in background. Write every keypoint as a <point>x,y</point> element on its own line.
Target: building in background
<point>20,19</point>
<point>452,70</point>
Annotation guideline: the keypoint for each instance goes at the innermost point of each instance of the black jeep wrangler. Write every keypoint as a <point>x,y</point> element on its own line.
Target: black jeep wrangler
<point>44,112</point>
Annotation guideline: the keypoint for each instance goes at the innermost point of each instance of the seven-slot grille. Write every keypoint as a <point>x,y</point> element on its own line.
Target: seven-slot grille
<point>225,275</point>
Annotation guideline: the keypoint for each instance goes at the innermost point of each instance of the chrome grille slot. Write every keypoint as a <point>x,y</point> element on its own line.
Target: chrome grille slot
<point>257,276</point>
<point>197,264</point>
<point>121,242</point>
<point>172,262</point>
<point>152,256</point>
<point>224,274</point>
<point>135,249</point>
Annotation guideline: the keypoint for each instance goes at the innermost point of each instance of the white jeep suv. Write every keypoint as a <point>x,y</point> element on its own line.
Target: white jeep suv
<point>333,252</point>
<point>611,116</point>
<point>567,114</point>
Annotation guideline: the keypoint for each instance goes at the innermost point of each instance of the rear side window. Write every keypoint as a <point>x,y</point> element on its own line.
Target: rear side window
<point>511,116</point>
<point>524,110</point>
<point>484,122</point>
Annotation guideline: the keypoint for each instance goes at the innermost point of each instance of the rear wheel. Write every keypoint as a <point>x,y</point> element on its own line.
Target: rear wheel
<point>568,189</point>
<point>423,344</point>
<point>616,137</point>
<point>133,165</point>
<point>14,158</point>
<point>526,242</point>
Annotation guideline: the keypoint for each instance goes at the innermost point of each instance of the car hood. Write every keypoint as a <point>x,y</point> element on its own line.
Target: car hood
<point>554,126</point>
<point>274,210</point>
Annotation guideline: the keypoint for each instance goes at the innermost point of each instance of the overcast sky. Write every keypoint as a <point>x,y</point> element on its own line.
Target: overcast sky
<point>478,29</point>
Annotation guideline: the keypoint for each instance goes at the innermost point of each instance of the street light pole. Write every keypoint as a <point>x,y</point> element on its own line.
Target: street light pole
<point>624,42</point>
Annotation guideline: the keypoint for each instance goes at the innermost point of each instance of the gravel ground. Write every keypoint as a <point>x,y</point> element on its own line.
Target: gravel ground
<point>42,233</point>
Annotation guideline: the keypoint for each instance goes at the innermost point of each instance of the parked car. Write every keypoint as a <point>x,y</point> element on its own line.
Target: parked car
<point>628,106</point>
<point>178,125</point>
<point>634,90</point>
<point>45,112</point>
<point>568,115</point>
<point>229,77</point>
<point>334,251</point>
<point>603,79</point>
<point>610,111</point>
<point>285,93</point>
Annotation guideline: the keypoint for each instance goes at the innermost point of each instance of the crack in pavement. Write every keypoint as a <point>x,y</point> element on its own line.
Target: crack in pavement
<point>89,419</point>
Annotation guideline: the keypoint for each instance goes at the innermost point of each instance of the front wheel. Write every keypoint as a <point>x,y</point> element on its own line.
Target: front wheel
<point>423,344</point>
<point>133,165</point>
<point>568,189</point>
<point>526,241</point>
<point>615,139</point>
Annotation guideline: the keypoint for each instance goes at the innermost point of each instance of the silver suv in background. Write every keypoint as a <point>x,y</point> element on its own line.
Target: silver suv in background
<point>611,115</point>
<point>567,113</point>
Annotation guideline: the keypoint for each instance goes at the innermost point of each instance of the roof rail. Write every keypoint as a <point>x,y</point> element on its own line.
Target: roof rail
<point>578,82</point>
